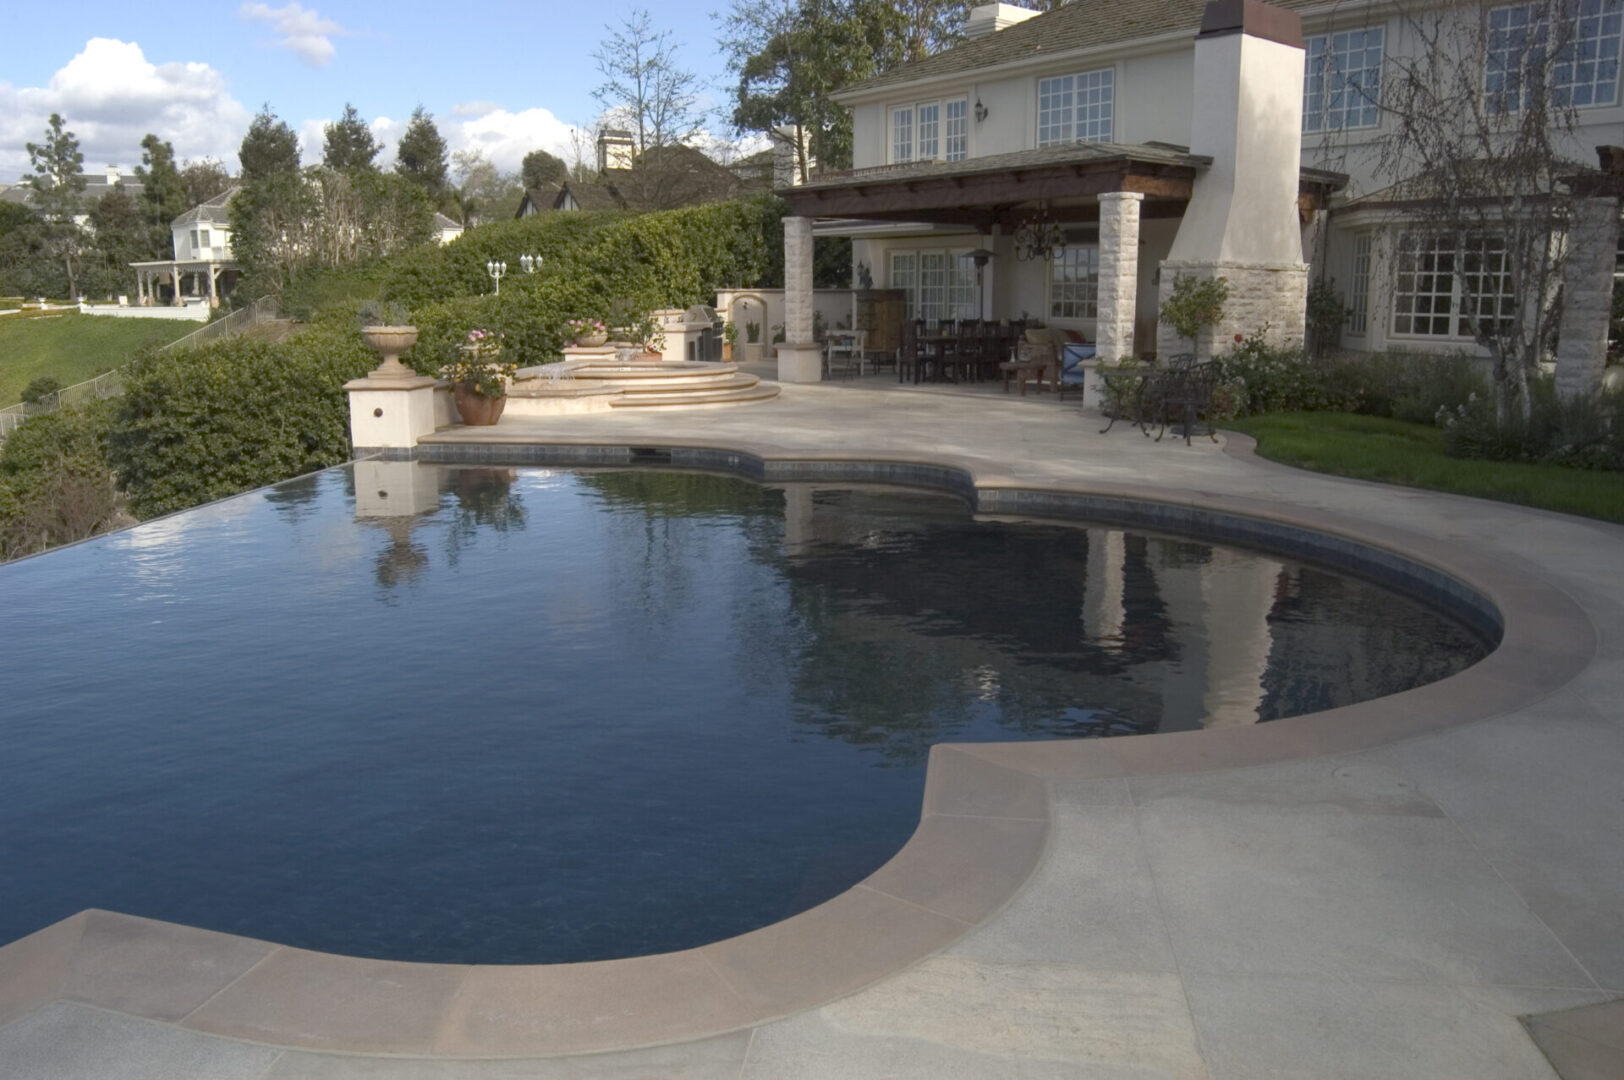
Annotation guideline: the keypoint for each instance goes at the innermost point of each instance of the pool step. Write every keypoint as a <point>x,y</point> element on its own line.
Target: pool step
<point>740,393</point>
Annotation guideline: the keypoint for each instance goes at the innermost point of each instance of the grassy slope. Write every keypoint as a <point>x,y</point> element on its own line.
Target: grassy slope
<point>1394,452</point>
<point>73,347</point>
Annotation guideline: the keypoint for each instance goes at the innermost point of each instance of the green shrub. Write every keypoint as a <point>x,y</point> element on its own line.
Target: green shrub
<point>231,415</point>
<point>1412,386</point>
<point>1261,378</point>
<point>55,482</point>
<point>315,289</point>
<point>41,389</point>
<point>1194,303</point>
<point>1576,432</point>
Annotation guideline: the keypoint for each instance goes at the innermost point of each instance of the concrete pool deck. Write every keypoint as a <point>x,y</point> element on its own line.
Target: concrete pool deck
<point>1381,891</point>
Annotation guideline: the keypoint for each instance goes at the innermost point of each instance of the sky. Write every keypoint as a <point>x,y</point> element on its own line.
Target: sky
<point>505,77</point>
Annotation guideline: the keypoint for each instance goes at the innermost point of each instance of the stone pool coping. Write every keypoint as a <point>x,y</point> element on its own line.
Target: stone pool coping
<point>984,824</point>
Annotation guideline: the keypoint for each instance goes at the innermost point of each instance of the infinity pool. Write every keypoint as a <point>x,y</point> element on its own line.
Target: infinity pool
<point>523,716</point>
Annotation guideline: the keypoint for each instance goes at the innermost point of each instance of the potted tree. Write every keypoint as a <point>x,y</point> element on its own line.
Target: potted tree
<point>479,378</point>
<point>1195,304</point>
<point>730,334</point>
<point>384,328</point>
<point>752,343</point>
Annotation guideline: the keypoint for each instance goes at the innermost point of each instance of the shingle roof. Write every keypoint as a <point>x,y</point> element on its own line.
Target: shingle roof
<point>1076,25</point>
<point>442,223</point>
<point>217,211</point>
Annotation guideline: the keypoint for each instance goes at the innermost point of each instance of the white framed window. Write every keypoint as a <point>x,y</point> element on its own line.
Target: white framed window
<point>939,283</point>
<point>957,134</point>
<point>1076,108</point>
<point>1586,34</point>
<point>1342,80</point>
<point>1447,285</point>
<point>203,236</point>
<point>928,130</point>
<point>1359,288</point>
<point>1074,283</point>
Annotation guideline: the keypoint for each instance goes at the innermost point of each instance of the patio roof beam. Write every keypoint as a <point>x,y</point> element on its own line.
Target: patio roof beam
<point>912,197</point>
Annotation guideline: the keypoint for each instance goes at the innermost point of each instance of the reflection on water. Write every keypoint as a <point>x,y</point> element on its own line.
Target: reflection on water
<point>511,715</point>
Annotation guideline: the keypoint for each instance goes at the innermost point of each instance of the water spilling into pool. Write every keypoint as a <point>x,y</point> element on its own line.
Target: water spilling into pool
<point>500,716</point>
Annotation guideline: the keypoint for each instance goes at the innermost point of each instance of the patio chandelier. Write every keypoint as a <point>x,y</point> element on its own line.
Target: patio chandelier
<point>1039,238</point>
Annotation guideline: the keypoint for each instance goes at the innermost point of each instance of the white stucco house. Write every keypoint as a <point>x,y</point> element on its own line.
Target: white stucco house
<point>202,267</point>
<point>1100,149</point>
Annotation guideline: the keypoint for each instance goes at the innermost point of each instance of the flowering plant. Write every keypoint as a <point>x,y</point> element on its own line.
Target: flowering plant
<point>476,367</point>
<point>581,328</point>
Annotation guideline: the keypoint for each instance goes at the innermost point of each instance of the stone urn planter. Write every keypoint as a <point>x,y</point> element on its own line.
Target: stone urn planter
<point>592,341</point>
<point>475,408</point>
<point>389,342</point>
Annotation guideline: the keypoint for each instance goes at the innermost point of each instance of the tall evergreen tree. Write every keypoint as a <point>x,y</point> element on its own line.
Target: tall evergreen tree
<point>269,148</point>
<point>163,194</point>
<point>349,143</point>
<point>203,180</point>
<point>58,183</point>
<point>420,155</point>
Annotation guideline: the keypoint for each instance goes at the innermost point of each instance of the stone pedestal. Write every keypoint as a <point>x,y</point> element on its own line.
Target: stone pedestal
<point>392,489</point>
<point>800,363</point>
<point>392,414</point>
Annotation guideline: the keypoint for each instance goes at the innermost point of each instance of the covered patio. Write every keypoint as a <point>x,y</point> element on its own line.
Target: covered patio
<point>1082,229</point>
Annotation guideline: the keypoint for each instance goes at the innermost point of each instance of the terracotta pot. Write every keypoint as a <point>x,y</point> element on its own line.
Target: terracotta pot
<point>476,409</point>
<point>727,352</point>
<point>592,341</point>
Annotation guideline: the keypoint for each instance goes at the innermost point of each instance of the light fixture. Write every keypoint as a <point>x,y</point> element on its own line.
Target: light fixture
<point>530,263</point>
<point>981,111</point>
<point>1039,238</point>
<point>980,256</point>
<point>496,268</point>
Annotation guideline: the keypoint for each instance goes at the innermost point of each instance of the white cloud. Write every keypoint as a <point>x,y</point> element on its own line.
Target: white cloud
<point>474,108</point>
<point>303,30</point>
<point>507,137</point>
<point>111,95</point>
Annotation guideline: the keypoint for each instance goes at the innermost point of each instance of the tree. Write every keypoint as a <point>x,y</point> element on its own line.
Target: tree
<point>120,237</point>
<point>540,169</point>
<point>1478,126</point>
<point>485,193</point>
<point>269,148</point>
<point>58,183</point>
<point>349,143</point>
<point>163,194</point>
<point>203,180</point>
<point>643,88</point>
<point>420,155</point>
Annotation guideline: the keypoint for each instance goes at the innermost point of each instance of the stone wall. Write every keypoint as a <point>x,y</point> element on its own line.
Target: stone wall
<point>1275,296</point>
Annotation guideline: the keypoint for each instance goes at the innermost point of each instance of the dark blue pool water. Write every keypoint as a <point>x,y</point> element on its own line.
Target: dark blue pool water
<point>502,716</point>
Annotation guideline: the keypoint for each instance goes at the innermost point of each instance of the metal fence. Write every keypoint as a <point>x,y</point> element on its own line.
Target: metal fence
<point>111,383</point>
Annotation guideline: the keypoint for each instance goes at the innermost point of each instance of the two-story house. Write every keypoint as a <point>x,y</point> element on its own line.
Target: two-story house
<point>202,267</point>
<point>1100,149</point>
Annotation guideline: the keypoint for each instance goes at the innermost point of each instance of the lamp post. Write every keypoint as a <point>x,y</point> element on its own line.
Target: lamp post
<point>530,263</point>
<point>496,269</point>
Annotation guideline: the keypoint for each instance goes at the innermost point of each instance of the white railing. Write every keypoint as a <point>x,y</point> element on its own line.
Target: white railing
<point>111,383</point>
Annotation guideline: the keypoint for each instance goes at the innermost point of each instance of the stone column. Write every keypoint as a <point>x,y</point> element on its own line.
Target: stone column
<point>799,357</point>
<point>1587,296</point>
<point>174,275</point>
<point>1119,276</point>
<point>214,298</point>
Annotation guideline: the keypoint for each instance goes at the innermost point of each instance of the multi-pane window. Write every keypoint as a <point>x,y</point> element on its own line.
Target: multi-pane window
<point>1074,283</point>
<point>902,134</point>
<point>1583,70</point>
<point>1076,108</point>
<point>1447,287</point>
<point>1359,294</point>
<point>938,284</point>
<point>1342,80</point>
<point>957,134</point>
<point>919,132</point>
<point>930,131</point>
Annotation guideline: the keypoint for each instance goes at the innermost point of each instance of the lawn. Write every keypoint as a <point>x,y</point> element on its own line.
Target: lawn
<point>1395,452</point>
<point>73,347</point>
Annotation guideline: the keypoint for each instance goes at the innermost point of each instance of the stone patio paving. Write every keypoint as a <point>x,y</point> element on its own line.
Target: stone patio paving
<point>1386,913</point>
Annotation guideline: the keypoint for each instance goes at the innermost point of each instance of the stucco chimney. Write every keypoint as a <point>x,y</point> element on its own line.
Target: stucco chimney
<point>112,175</point>
<point>1242,222</point>
<point>986,19</point>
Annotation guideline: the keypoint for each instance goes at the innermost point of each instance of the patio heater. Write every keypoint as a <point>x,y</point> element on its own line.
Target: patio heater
<point>496,268</point>
<point>980,255</point>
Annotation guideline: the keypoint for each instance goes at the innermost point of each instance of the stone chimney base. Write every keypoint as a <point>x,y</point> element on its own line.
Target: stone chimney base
<point>1272,294</point>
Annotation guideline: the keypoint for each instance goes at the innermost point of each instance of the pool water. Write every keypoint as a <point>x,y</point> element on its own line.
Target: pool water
<point>486,715</point>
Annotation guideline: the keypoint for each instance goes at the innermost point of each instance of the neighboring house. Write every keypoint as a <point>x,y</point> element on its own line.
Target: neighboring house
<point>96,185</point>
<point>1100,149</point>
<point>661,178</point>
<point>445,229</point>
<point>202,266</point>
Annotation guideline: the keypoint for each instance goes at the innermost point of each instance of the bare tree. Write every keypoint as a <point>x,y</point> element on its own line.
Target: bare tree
<point>643,87</point>
<point>1481,118</point>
